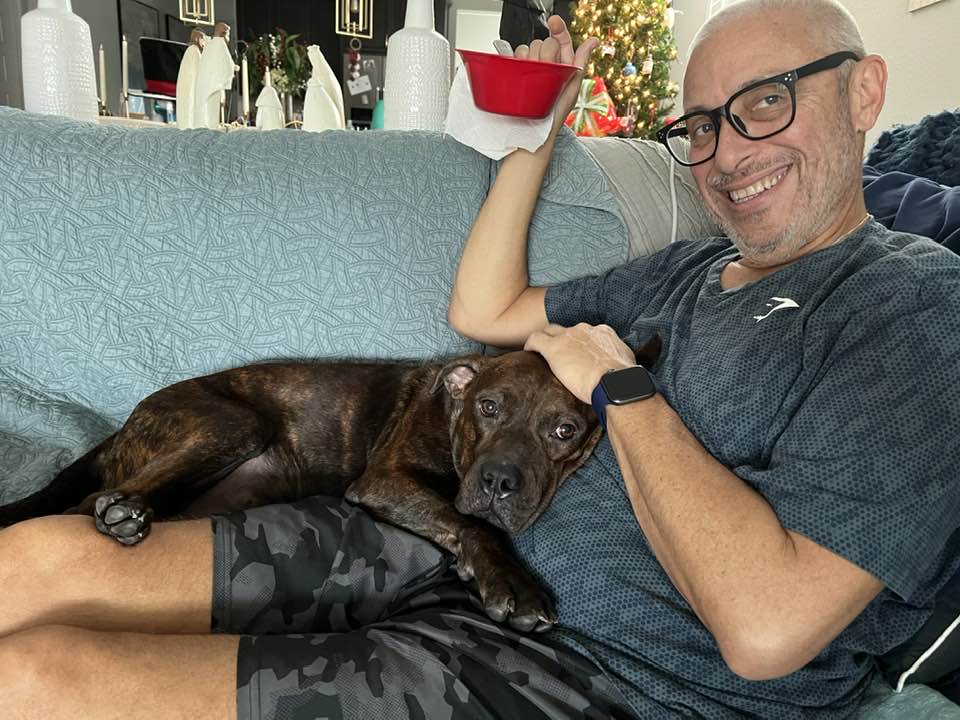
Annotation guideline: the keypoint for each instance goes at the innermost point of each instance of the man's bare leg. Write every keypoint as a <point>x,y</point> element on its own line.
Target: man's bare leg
<point>65,673</point>
<point>60,570</point>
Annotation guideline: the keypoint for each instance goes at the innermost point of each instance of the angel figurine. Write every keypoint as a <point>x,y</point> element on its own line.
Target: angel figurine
<point>269,109</point>
<point>187,80</point>
<point>214,78</point>
<point>323,104</point>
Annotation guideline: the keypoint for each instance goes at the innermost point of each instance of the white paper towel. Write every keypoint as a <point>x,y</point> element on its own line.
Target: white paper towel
<point>490,134</point>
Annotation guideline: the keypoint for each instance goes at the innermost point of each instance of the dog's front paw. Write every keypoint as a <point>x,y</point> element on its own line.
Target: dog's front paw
<point>511,595</point>
<point>124,518</point>
<point>508,592</point>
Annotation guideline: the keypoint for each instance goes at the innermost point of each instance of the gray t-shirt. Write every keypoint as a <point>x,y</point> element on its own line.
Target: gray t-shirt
<point>832,387</point>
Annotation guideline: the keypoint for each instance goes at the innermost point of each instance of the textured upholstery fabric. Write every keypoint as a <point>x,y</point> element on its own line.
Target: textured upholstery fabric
<point>130,259</point>
<point>638,172</point>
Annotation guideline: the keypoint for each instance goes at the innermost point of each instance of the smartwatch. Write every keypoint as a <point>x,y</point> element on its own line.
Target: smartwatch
<point>621,387</point>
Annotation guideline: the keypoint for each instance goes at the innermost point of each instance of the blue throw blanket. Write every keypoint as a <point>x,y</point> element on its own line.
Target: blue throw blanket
<point>930,149</point>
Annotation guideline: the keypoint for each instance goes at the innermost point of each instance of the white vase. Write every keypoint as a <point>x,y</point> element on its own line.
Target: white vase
<point>417,82</point>
<point>57,57</point>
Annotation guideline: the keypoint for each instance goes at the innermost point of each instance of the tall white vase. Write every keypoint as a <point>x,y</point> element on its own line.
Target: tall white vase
<point>57,58</point>
<point>417,82</point>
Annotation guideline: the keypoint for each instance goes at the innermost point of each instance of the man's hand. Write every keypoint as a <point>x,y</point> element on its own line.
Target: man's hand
<point>580,355</point>
<point>558,48</point>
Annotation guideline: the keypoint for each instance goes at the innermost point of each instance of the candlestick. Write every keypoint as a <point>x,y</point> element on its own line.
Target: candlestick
<point>124,66</point>
<point>103,78</point>
<point>245,87</point>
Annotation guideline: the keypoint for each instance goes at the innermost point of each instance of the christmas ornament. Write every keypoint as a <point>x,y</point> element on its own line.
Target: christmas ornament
<point>608,49</point>
<point>594,114</point>
<point>629,69</point>
<point>628,121</point>
<point>647,67</point>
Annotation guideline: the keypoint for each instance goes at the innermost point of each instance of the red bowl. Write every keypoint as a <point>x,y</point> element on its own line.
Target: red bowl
<point>511,86</point>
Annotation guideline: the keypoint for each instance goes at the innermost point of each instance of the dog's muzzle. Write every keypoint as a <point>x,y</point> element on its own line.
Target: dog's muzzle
<point>500,479</point>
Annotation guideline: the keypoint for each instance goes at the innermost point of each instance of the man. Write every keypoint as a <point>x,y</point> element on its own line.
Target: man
<point>685,588</point>
<point>795,476</point>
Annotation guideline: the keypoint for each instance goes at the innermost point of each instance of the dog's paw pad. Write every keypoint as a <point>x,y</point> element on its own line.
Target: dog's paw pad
<point>125,519</point>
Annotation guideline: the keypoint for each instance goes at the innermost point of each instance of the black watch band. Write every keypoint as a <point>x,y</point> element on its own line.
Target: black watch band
<point>621,387</point>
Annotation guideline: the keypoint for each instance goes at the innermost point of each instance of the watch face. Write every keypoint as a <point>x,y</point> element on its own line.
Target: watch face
<point>628,385</point>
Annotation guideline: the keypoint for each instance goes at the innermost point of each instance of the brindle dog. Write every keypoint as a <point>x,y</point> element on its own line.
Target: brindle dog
<point>447,451</point>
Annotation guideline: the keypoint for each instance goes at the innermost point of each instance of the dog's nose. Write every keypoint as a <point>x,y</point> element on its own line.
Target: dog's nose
<point>500,478</point>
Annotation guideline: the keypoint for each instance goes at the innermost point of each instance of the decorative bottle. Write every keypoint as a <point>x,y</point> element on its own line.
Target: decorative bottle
<point>417,82</point>
<point>58,76</point>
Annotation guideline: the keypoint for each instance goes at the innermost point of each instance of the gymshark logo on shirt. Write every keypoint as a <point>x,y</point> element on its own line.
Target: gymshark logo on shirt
<point>783,304</point>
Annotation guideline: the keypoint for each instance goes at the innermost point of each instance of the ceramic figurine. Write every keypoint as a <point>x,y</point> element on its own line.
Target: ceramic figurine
<point>214,77</point>
<point>187,80</point>
<point>323,78</point>
<point>269,109</point>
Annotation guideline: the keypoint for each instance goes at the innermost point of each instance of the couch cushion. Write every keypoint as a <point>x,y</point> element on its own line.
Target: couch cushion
<point>931,656</point>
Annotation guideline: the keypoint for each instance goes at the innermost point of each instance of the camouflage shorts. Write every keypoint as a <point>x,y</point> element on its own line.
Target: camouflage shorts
<point>345,617</point>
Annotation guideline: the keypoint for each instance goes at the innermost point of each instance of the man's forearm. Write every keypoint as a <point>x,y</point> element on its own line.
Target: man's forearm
<point>747,578</point>
<point>493,269</point>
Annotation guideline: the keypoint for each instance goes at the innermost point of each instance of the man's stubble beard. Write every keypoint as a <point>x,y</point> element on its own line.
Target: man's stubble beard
<point>815,208</point>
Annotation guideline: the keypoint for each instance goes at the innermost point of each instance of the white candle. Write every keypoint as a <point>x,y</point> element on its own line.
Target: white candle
<point>245,86</point>
<point>103,78</point>
<point>123,65</point>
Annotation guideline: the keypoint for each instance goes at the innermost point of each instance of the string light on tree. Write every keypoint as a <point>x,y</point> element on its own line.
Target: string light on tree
<point>635,54</point>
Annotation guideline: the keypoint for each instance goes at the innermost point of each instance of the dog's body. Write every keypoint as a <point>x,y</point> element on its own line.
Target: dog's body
<point>431,448</point>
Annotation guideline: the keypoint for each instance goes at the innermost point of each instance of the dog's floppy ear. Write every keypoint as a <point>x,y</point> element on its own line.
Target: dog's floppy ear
<point>456,375</point>
<point>647,355</point>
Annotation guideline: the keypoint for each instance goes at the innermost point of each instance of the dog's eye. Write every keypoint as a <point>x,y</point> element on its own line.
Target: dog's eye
<point>488,408</point>
<point>565,431</point>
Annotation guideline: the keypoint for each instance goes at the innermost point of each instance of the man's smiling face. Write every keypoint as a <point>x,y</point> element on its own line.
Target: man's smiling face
<point>774,196</point>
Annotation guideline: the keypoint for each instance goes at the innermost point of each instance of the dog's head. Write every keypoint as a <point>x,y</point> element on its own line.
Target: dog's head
<point>516,434</point>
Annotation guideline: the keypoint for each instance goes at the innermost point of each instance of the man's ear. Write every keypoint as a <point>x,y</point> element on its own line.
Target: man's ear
<point>867,88</point>
<point>456,375</point>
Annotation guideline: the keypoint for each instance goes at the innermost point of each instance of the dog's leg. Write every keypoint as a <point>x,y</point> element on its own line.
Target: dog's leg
<point>507,590</point>
<point>157,465</point>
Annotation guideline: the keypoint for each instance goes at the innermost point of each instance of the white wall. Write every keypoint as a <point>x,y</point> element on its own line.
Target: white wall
<point>922,50</point>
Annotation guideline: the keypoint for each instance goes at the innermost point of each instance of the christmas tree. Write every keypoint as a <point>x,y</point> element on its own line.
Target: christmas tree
<point>636,49</point>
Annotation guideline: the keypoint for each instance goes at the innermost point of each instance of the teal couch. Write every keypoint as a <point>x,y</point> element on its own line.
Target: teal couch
<point>130,259</point>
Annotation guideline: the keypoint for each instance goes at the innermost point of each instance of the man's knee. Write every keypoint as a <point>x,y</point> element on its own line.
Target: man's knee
<point>39,665</point>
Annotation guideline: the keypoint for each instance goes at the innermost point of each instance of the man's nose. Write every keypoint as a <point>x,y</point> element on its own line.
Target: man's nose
<point>733,149</point>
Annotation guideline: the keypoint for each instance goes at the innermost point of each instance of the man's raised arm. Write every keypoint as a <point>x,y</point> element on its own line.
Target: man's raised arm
<point>492,301</point>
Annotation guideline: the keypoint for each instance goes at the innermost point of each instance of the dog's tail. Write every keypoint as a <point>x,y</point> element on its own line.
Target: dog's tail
<point>66,490</point>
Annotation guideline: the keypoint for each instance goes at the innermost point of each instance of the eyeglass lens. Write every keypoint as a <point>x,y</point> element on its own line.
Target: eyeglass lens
<point>756,113</point>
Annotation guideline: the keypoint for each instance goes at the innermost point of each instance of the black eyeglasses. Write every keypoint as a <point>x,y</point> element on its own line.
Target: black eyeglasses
<point>756,112</point>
